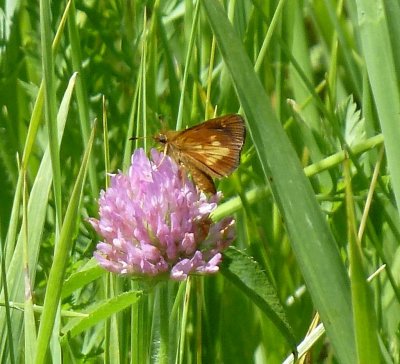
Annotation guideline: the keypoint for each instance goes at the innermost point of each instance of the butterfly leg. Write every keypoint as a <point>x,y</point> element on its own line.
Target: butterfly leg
<point>164,155</point>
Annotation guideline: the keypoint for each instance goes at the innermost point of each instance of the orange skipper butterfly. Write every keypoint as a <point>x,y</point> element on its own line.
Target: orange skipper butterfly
<point>208,150</point>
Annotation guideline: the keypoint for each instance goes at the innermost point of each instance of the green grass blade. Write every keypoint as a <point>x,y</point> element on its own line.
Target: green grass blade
<point>50,102</point>
<point>62,251</point>
<point>365,322</point>
<point>312,242</point>
<point>81,93</point>
<point>189,54</point>
<point>29,318</point>
<point>310,124</point>
<point>37,208</point>
<point>8,345</point>
<point>383,78</point>
<point>34,123</point>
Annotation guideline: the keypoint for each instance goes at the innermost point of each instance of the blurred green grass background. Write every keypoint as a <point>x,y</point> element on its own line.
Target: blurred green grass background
<point>318,85</point>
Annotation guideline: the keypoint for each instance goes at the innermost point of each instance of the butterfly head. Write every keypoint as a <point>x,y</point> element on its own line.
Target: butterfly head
<point>161,138</point>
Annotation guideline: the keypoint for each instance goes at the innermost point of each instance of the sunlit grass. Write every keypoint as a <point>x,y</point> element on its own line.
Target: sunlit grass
<point>318,85</point>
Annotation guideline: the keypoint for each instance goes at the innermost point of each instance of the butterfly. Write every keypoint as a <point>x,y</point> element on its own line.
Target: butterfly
<point>207,150</point>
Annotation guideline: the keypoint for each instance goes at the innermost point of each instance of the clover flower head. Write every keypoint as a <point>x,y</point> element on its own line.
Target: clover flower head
<point>155,222</point>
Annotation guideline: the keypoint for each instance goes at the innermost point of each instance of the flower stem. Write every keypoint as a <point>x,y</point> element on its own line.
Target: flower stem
<point>164,323</point>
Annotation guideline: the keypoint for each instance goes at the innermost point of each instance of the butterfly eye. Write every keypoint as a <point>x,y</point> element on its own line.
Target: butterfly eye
<point>162,138</point>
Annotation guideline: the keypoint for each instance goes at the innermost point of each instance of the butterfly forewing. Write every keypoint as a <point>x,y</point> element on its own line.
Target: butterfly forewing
<point>214,145</point>
<point>210,149</point>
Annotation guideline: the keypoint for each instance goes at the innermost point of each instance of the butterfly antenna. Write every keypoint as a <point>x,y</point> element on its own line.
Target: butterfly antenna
<point>137,137</point>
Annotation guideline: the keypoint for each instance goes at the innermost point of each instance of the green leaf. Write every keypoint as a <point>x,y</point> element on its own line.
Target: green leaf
<point>354,123</point>
<point>99,312</point>
<point>88,273</point>
<point>247,275</point>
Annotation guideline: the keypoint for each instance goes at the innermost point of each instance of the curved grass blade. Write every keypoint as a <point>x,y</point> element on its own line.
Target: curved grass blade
<point>311,240</point>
